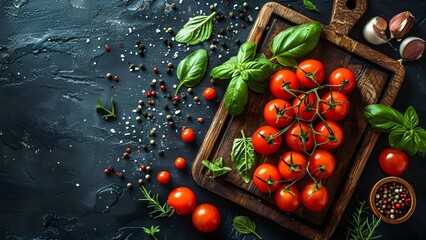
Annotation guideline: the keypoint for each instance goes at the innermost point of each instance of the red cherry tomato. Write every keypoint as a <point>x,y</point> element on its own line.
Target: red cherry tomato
<point>209,93</point>
<point>328,134</point>
<point>321,164</point>
<point>260,140</point>
<point>393,162</point>
<point>287,198</point>
<point>183,200</point>
<point>305,107</point>
<point>292,165</point>
<point>277,113</point>
<point>314,197</point>
<point>300,137</point>
<point>206,218</point>
<point>311,73</point>
<point>334,106</point>
<point>163,177</point>
<point>266,178</point>
<point>188,135</point>
<point>282,83</point>
<point>180,162</point>
<point>342,77</point>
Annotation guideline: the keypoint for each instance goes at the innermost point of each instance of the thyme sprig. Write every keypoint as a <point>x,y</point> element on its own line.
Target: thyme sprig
<point>151,231</point>
<point>153,203</point>
<point>362,226</point>
<point>109,114</point>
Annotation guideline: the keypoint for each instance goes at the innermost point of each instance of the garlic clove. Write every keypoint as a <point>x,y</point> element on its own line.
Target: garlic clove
<point>412,48</point>
<point>401,24</point>
<point>374,31</point>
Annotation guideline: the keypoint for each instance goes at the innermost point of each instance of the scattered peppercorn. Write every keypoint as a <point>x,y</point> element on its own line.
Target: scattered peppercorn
<point>148,94</point>
<point>153,93</point>
<point>107,48</point>
<point>125,155</point>
<point>155,70</point>
<point>129,185</point>
<point>115,78</point>
<point>212,80</point>
<point>128,150</point>
<point>212,7</point>
<point>170,65</point>
<point>183,95</point>
<point>169,30</point>
<point>242,16</point>
<point>160,152</point>
<point>243,26</point>
<point>190,90</point>
<point>165,106</point>
<point>231,14</point>
<point>173,6</point>
<point>109,75</point>
<point>200,120</point>
<point>149,115</point>
<point>132,66</point>
<point>218,17</point>
<point>212,47</point>
<point>176,98</point>
<point>142,66</point>
<point>188,116</point>
<point>152,132</point>
<point>163,87</point>
<point>169,117</point>
<point>119,174</point>
<point>169,70</point>
<point>141,46</point>
<point>140,181</point>
<point>215,40</point>
<point>143,167</point>
<point>144,147</point>
<point>152,142</point>
<point>148,177</point>
<point>229,28</point>
<point>245,4</point>
<point>141,53</point>
<point>172,124</point>
<point>196,99</point>
<point>137,43</point>
<point>138,119</point>
<point>222,31</point>
<point>152,83</point>
<point>148,168</point>
<point>107,171</point>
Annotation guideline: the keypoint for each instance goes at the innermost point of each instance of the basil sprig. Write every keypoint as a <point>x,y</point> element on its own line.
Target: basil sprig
<point>244,225</point>
<point>247,70</point>
<point>404,134</point>
<point>196,30</point>
<point>295,42</point>
<point>191,69</point>
<point>243,156</point>
<point>310,6</point>
<point>216,167</point>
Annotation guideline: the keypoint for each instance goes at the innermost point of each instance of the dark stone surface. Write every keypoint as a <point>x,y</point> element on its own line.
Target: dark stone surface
<point>54,145</point>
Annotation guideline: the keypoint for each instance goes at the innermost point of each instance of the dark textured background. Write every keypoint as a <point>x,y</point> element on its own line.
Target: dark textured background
<point>54,146</point>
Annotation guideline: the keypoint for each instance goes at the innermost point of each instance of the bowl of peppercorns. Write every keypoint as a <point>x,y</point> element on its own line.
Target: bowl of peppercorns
<point>393,199</point>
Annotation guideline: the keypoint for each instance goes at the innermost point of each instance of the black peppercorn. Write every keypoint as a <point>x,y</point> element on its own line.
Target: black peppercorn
<point>160,152</point>
<point>169,70</point>
<point>165,106</point>
<point>141,46</point>
<point>223,44</point>
<point>183,95</point>
<point>144,147</point>
<point>215,40</point>
<point>222,31</point>
<point>188,116</point>
<point>140,52</point>
<point>149,115</point>
<point>238,42</point>
<point>137,43</point>
<point>141,66</point>
<point>170,65</point>
<point>173,6</point>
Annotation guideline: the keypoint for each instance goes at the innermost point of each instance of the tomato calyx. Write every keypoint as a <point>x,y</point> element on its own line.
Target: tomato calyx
<point>292,167</point>
<point>269,182</point>
<point>311,75</point>
<point>281,113</point>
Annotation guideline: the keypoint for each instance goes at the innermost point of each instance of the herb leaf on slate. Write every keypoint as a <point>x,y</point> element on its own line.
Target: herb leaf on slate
<point>196,30</point>
<point>361,226</point>
<point>216,167</point>
<point>310,6</point>
<point>404,134</point>
<point>243,156</point>
<point>294,43</point>
<point>244,225</point>
<point>109,114</point>
<point>236,96</point>
<point>191,69</point>
<point>151,231</point>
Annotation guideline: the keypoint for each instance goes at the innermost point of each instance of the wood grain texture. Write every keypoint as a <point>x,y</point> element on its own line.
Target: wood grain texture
<point>378,80</point>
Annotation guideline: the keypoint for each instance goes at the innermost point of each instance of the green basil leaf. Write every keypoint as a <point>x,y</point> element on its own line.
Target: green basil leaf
<point>191,69</point>
<point>296,42</point>
<point>224,71</point>
<point>411,120</point>
<point>258,86</point>
<point>216,167</point>
<point>310,6</point>
<point>196,30</point>
<point>383,118</point>
<point>244,225</point>
<point>402,139</point>
<point>247,52</point>
<point>420,139</point>
<point>243,157</point>
<point>287,62</point>
<point>236,96</point>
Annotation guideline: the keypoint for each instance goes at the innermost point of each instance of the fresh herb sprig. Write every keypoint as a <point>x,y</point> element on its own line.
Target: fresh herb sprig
<point>151,231</point>
<point>216,167</point>
<point>108,114</point>
<point>153,203</point>
<point>196,30</point>
<point>310,6</point>
<point>362,226</point>
<point>243,156</point>
<point>404,132</point>
<point>191,69</point>
<point>247,70</point>
<point>244,225</point>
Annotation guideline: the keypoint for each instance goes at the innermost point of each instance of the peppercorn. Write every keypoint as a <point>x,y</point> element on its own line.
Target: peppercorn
<point>176,98</point>
<point>152,83</point>
<point>212,81</point>
<point>163,87</point>
<point>172,124</point>
<point>149,115</point>
<point>169,117</point>
<point>140,181</point>
<point>218,17</point>
<point>132,66</point>
<point>108,48</point>
<point>215,40</point>
<point>238,42</point>
<point>231,14</point>
<point>107,171</point>
<point>242,16</point>
<point>140,52</point>
<point>125,155</point>
<point>245,4</point>
<point>152,132</point>
<point>153,93</point>
<point>173,5</point>
<point>169,30</point>
<point>148,177</point>
<point>160,152</point>
<point>141,46</point>
<point>152,142</point>
<point>230,28</point>
<point>144,147</point>
<point>148,168</point>
<point>142,66</point>
<point>155,70</point>
<point>222,31</point>
<point>109,75</point>
<point>243,26</point>
<point>115,78</point>
<point>170,65</point>
<point>148,94</point>
<point>165,106</point>
<point>188,116</point>
<point>128,150</point>
<point>145,114</point>
<point>138,119</point>
<point>175,102</point>
<point>183,95</point>
<point>196,99</point>
<point>119,174</point>
<point>190,90</point>
<point>212,47</point>
<point>169,70</point>
<point>129,185</point>
<point>137,43</point>
<point>200,120</point>
<point>223,44</point>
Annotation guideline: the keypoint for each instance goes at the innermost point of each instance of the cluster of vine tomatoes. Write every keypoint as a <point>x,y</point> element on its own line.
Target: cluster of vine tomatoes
<point>304,114</point>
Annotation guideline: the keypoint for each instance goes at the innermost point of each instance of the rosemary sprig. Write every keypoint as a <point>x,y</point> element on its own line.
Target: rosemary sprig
<point>151,231</point>
<point>158,210</point>
<point>110,114</point>
<point>361,226</point>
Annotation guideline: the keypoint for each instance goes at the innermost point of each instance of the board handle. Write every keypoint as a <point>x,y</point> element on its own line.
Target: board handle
<point>346,14</point>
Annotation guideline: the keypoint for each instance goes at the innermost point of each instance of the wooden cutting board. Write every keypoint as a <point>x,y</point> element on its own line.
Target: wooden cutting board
<point>379,79</point>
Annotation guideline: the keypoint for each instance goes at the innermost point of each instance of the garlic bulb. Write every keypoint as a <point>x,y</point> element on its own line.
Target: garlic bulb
<point>374,31</point>
<point>412,48</point>
<point>400,24</point>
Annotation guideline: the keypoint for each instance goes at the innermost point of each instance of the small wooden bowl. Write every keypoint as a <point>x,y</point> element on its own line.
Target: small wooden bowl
<point>399,181</point>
